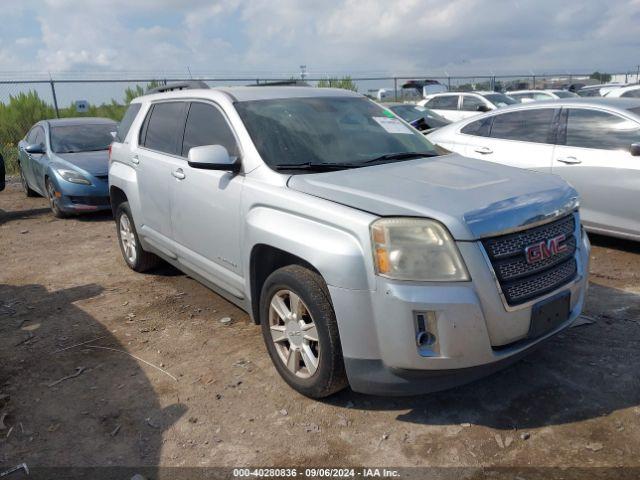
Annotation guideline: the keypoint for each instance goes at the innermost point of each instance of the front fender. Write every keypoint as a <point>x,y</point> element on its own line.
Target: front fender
<point>336,253</point>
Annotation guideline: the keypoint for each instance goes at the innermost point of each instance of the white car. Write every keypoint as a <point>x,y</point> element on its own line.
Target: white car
<point>524,96</point>
<point>456,106</point>
<point>593,143</point>
<point>630,91</point>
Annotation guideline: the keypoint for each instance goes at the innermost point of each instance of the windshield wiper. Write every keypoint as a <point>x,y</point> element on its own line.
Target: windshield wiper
<point>401,156</point>
<point>322,167</point>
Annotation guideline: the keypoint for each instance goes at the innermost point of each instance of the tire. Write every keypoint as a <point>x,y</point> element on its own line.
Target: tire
<point>134,255</point>
<point>53,201</point>
<point>28,191</point>
<point>282,288</point>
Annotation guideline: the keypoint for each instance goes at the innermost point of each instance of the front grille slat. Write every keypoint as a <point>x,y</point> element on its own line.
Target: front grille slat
<point>521,281</point>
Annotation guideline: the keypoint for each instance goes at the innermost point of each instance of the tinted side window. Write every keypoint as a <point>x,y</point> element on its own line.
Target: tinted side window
<point>471,104</point>
<point>479,127</point>
<point>445,102</point>
<point>163,130</point>
<point>127,120</point>
<point>207,126</point>
<point>595,129</point>
<point>525,125</point>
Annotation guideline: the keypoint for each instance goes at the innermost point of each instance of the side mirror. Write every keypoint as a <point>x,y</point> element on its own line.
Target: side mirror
<point>213,157</point>
<point>635,150</point>
<point>114,135</point>
<point>35,148</point>
<point>483,108</point>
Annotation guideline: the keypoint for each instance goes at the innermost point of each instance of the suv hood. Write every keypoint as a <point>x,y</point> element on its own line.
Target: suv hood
<point>95,163</point>
<point>473,198</point>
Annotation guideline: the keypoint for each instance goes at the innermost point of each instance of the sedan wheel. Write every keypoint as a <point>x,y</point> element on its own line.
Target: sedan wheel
<point>294,333</point>
<point>53,200</point>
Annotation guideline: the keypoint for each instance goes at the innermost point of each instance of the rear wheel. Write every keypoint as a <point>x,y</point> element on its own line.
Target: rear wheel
<point>301,332</point>
<point>136,257</point>
<point>54,201</point>
<point>25,186</point>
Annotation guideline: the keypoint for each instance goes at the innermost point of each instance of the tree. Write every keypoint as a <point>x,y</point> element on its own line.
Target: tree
<point>601,77</point>
<point>345,83</point>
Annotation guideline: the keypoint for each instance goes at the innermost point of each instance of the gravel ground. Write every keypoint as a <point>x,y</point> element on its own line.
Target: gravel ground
<point>204,393</point>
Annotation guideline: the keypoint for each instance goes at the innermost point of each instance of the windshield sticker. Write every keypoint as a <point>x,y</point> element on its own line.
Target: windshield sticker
<point>392,125</point>
<point>389,114</point>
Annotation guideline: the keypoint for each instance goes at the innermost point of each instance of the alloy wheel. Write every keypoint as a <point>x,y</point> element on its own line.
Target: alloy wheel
<point>294,333</point>
<point>53,201</point>
<point>128,239</point>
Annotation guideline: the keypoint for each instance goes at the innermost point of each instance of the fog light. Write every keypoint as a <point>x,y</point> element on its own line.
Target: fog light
<point>426,326</point>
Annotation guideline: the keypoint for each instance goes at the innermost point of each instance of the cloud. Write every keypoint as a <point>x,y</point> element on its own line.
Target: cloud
<point>329,36</point>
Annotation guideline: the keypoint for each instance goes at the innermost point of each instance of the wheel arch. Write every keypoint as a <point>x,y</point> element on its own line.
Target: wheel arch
<point>264,260</point>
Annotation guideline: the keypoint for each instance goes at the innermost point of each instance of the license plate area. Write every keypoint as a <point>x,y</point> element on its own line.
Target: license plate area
<point>548,314</point>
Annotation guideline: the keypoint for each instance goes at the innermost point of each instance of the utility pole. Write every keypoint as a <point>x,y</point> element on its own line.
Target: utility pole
<point>303,72</point>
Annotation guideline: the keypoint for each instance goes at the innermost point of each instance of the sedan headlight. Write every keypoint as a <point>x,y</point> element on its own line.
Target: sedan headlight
<point>416,249</point>
<point>73,176</point>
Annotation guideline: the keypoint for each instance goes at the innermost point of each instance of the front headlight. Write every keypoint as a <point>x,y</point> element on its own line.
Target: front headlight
<point>73,176</point>
<point>416,249</point>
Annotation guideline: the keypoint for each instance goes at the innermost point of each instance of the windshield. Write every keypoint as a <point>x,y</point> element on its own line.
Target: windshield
<point>500,99</point>
<point>327,130</point>
<point>411,113</point>
<point>81,138</point>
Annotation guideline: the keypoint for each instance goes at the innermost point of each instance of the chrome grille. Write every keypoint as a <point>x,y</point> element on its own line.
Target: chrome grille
<point>522,281</point>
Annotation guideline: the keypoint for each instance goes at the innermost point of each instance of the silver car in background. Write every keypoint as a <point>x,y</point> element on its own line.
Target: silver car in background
<point>593,143</point>
<point>456,106</point>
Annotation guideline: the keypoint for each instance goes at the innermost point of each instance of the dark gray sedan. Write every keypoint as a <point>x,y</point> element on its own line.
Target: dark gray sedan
<point>67,161</point>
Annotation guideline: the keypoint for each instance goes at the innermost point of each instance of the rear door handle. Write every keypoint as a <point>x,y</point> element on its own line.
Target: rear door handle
<point>179,174</point>
<point>135,159</point>
<point>570,160</point>
<point>484,150</point>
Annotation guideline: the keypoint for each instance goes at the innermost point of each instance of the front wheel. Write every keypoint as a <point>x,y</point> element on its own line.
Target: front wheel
<point>54,201</point>
<point>136,257</point>
<point>301,332</point>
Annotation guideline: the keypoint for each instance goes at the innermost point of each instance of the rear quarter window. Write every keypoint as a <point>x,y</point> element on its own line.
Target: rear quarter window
<point>125,124</point>
<point>480,128</point>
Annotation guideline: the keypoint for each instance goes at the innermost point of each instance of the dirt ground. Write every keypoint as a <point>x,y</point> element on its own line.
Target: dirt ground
<point>219,402</point>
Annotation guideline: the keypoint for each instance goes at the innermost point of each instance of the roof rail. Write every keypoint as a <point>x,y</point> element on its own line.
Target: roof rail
<point>188,85</point>
<point>280,83</point>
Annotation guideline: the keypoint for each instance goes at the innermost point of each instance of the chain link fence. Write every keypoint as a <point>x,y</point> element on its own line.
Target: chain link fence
<point>24,102</point>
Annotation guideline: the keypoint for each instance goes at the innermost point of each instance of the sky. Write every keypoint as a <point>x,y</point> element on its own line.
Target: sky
<point>275,37</point>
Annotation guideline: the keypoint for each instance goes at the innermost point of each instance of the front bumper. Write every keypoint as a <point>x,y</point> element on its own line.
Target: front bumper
<point>475,333</point>
<point>77,198</point>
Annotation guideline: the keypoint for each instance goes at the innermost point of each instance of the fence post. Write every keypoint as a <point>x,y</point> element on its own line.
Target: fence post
<point>55,99</point>
<point>395,89</point>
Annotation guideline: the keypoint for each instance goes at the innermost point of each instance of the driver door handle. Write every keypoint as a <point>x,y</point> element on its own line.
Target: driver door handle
<point>179,174</point>
<point>570,160</point>
<point>483,150</point>
<point>135,159</point>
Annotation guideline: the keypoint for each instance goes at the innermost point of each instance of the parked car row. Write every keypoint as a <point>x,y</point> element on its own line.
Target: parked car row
<point>369,255</point>
<point>594,144</point>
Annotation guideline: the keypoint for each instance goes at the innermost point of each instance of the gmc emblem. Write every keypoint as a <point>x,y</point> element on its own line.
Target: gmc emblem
<point>546,249</point>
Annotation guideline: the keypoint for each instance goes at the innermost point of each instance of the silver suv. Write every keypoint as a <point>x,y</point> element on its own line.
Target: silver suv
<point>368,257</point>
